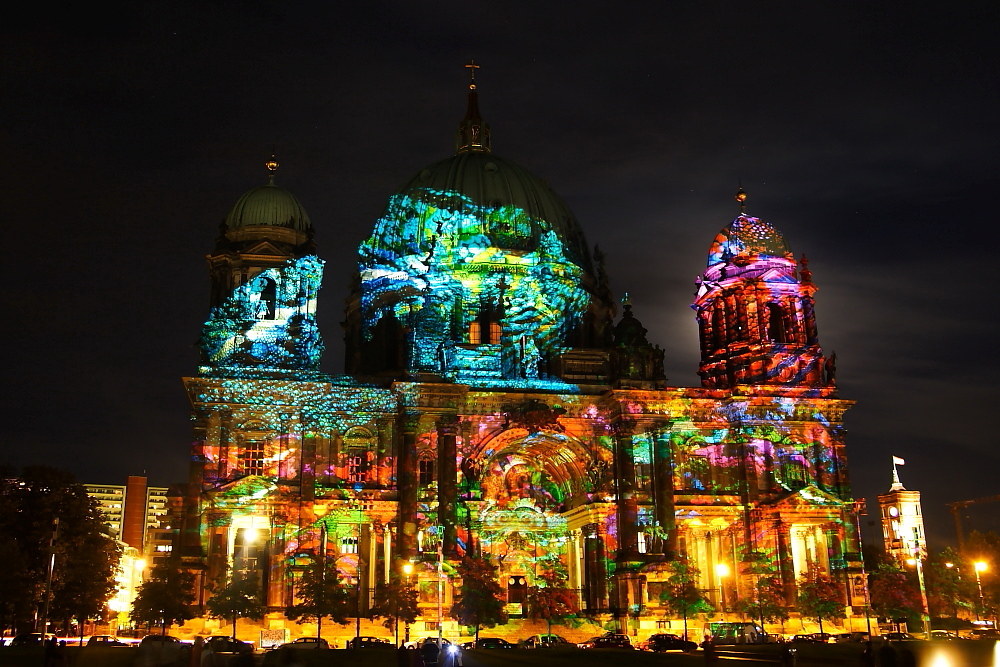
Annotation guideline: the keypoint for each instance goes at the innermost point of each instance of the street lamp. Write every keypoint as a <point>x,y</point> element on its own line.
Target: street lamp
<point>407,570</point>
<point>722,571</point>
<point>980,567</point>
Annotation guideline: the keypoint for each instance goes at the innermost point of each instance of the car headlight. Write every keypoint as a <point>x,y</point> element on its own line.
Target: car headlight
<point>452,648</point>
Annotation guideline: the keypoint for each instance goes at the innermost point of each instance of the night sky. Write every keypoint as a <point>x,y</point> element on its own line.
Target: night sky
<point>864,131</point>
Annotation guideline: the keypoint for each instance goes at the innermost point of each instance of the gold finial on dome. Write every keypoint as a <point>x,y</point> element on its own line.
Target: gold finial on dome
<point>272,166</point>
<point>741,197</point>
<point>473,132</point>
<point>472,73</point>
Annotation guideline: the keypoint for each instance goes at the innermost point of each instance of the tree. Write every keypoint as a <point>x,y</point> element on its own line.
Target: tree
<point>552,601</point>
<point>820,597</point>
<point>240,597</point>
<point>480,604</point>
<point>681,594</point>
<point>395,601</point>
<point>321,594</point>
<point>951,584</point>
<point>165,598</point>
<point>893,593</point>
<point>45,512</point>
<point>766,601</point>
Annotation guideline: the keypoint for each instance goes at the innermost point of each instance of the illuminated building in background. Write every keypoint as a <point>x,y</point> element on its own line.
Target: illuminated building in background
<point>496,404</point>
<point>902,521</point>
<point>131,510</point>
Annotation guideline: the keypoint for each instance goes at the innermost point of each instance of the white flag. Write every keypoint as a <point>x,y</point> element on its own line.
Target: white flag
<point>896,461</point>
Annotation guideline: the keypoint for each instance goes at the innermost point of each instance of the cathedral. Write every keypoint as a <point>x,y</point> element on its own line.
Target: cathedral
<point>498,401</point>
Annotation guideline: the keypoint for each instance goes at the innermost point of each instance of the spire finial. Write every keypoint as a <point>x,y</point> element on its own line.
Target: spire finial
<point>473,132</point>
<point>741,197</point>
<point>472,73</point>
<point>272,166</point>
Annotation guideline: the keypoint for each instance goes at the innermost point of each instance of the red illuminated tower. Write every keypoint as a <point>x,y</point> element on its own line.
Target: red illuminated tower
<point>755,311</point>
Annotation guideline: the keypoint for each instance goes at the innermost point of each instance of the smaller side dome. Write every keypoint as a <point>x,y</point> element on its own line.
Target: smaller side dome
<point>268,205</point>
<point>747,236</point>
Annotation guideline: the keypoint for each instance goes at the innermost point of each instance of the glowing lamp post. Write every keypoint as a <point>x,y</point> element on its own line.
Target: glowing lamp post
<point>980,567</point>
<point>407,570</point>
<point>722,571</point>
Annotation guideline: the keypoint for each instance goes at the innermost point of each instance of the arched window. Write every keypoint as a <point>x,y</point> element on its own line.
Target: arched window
<point>268,300</point>
<point>719,325</point>
<point>775,323</point>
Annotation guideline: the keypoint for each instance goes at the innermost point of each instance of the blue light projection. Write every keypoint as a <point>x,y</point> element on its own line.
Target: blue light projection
<point>268,322</point>
<point>484,292</point>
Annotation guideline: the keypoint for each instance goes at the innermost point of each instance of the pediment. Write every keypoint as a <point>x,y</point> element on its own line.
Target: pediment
<point>806,497</point>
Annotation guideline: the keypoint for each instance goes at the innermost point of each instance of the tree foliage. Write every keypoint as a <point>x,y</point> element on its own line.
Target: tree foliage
<point>951,584</point>
<point>551,601</point>
<point>166,597</point>
<point>820,597</point>
<point>766,601</point>
<point>682,595</point>
<point>321,594</point>
<point>238,597</point>
<point>893,593</point>
<point>481,604</point>
<point>86,556</point>
<point>395,601</point>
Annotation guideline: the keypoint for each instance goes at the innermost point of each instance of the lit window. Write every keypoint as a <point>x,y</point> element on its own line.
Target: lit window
<point>253,458</point>
<point>349,545</point>
<point>355,468</point>
<point>475,333</point>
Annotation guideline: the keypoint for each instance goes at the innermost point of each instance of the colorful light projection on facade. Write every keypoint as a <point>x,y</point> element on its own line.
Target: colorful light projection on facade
<point>755,312</point>
<point>486,292</point>
<point>268,322</point>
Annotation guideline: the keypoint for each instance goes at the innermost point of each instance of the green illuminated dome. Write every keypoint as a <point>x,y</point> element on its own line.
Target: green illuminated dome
<point>268,206</point>
<point>482,182</point>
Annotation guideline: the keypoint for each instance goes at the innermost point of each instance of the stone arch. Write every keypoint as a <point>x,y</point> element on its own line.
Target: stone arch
<point>546,467</point>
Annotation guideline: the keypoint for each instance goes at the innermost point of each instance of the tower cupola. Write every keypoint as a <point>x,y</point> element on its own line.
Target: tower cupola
<point>755,311</point>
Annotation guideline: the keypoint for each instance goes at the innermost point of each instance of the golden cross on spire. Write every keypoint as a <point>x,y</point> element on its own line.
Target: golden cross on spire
<point>472,73</point>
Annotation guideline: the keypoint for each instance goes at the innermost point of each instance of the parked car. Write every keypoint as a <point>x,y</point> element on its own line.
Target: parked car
<point>804,639</point>
<point>218,649</point>
<point>368,642</point>
<point>306,643</point>
<point>543,641</point>
<point>104,640</point>
<point>851,637</point>
<point>607,641</point>
<point>899,637</point>
<point>945,634</point>
<point>667,642</point>
<point>985,633</point>
<point>490,642</point>
<point>162,650</point>
<point>29,639</point>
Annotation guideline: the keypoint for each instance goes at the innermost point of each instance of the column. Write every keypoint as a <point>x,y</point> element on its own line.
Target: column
<point>406,484</point>
<point>663,492</point>
<point>626,504</point>
<point>447,429</point>
<point>785,561</point>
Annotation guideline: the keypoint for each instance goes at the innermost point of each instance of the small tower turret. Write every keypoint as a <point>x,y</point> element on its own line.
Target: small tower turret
<point>755,314</point>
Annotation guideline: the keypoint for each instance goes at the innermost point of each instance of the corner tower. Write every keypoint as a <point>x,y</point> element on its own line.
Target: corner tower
<point>477,272</point>
<point>754,304</point>
<point>265,280</point>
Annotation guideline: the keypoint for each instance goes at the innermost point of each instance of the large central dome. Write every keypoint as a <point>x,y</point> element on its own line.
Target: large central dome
<point>480,266</point>
<point>517,207</point>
